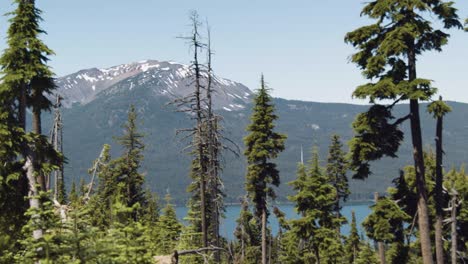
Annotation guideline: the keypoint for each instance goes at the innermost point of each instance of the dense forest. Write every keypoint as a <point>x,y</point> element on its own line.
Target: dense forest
<point>113,218</point>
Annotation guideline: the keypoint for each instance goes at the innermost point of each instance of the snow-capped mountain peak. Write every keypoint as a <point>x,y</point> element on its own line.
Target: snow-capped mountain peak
<point>160,78</point>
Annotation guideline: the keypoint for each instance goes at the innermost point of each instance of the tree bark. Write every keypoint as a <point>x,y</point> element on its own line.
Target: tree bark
<point>454,227</point>
<point>33,193</point>
<point>380,244</point>
<point>416,135</point>
<point>264,242</point>
<point>438,193</point>
<point>37,129</point>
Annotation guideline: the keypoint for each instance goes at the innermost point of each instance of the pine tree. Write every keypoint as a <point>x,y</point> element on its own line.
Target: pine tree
<point>129,239</point>
<point>169,228</point>
<point>101,201</point>
<point>386,224</point>
<point>315,201</point>
<point>248,235</point>
<point>387,52</point>
<point>26,81</point>
<point>353,241</point>
<point>191,236</point>
<point>336,172</point>
<point>262,145</point>
<point>439,109</point>
<point>128,164</point>
<point>366,256</point>
<point>45,249</point>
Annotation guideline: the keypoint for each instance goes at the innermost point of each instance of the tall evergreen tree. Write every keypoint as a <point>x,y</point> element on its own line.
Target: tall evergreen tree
<point>262,145</point>
<point>337,167</point>
<point>387,54</point>
<point>129,163</point>
<point>26,81</point>
<point>439,109</point>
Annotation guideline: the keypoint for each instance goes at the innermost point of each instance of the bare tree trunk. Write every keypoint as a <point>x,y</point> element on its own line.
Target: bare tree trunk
<point>438,193</point>
<point>423,215</point>
<point>33,193</point>
<point>264,242</point>
<point>380,244</point>
<point>243,244</point>
<point>37,129</point>
<point>454,227</point>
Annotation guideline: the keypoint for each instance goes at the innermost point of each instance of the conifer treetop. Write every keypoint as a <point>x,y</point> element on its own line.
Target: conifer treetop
<point>401,30</point>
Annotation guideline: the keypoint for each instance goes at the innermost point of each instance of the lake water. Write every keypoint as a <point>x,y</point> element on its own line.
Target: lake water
<point>228,224</point>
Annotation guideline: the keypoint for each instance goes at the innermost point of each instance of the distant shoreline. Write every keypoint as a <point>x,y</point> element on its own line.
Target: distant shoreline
<point>347,203</point>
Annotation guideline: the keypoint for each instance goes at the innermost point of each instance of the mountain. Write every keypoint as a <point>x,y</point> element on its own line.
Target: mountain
<point>163,79</point>
<point>96,103</point>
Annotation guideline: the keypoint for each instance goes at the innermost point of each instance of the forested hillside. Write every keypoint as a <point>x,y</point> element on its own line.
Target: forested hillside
<point>87,127</point>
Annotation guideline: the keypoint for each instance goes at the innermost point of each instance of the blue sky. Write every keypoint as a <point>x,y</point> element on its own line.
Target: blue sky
<point>297,44</point>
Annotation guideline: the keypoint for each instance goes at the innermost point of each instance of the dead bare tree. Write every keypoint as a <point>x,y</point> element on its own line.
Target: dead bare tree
<point>56,139</point>
<point>206,137</point>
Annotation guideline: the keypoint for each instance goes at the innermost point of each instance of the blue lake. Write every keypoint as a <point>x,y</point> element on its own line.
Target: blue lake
<point>228,224</point>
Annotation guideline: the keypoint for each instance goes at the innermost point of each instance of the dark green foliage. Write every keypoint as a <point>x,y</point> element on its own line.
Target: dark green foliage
<point>248,235</point>
<point>399,30</point>
<point>387,55</point>
<point>262,145</point>
<point>128,164</point>
<point>315,201</point>
<point>24,61</point>
<point>353,242</point>
<point>438,108</point>
<point>336,169</point>
<point>46,249</point>
<point>120,176</point>
<point>169,228</point>
<point>376,137</point>
<point>386,224</point>
<point>366,255</point>
<point>23,65</point>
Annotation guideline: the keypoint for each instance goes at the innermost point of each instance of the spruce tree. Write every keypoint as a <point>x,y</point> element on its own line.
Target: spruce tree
<point>263,145</point>
<point>387,53</point>
<point>366,256</point>
<point>128,164</point>
<point>353,241</point>
<point>386,224</point>
<point>45,249</point>
<point>248,235</point>
<point>26,80</point>
<point>337,166</point>
<point>169,228</point>
<point>315,200</point>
